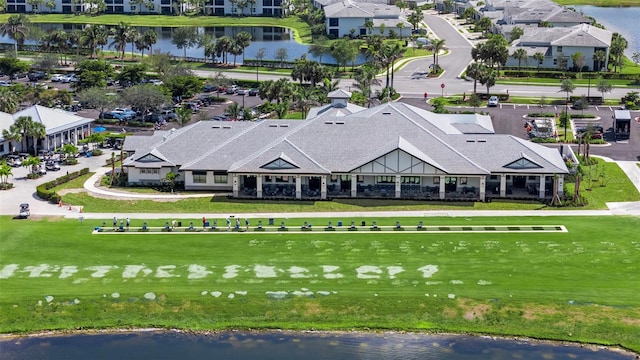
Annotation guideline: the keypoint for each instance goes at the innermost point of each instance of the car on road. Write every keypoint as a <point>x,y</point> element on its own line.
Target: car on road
<point>37,75</point>
<point>254,92</point>
<point>493,101</point>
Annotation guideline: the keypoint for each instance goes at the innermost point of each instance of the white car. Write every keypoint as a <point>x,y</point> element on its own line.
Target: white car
<point>57,77</point>
<point>156,82</point>
<point>493,101</point>
<point>71,78</point>
<point>5,83</point>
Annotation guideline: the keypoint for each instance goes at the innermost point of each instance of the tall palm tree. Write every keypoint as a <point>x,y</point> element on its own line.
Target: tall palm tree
<point>365,78</point>
<point>13,134</point>
<point>305,98</point>
<point>435,46</point>
<point>395,53</point>
<point>17,28</point>
<point>9,101</point>
<point>60,38</point>
<point>37,131</point>
<point>539,58</point>
<point>132,36</point>
<point>519,54</point>
<point>150,38</point>
<point>5,172</point>
<point>74,40</point>
<point>94,36</point>
<point>474,71</point>
<point>243,39</point>
<point>120,37</point>
<point>600,58</point>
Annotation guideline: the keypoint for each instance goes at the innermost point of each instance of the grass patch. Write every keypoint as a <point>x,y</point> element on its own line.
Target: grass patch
<point>542,285</point>
<point>76,183</point>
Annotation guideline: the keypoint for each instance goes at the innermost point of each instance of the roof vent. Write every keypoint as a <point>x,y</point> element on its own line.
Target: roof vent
<point>226,127</point>
<point>482,140</point>
<point>329,122</point>
<point>386,113</point>
<point>339,122</point>
<point>284,125</point>
<point>273,125</point>
<point>471,140</point>
<point>216,126</point>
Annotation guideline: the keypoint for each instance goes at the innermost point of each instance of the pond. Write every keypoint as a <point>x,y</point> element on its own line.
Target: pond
<point>269,37</point>
<point>292,345</point>
<point>621,20</point>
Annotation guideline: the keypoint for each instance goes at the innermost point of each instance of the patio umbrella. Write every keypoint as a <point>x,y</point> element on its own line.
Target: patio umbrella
<point>99,129</point>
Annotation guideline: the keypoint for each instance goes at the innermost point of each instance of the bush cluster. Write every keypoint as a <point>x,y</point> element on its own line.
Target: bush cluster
<point>44,190</point>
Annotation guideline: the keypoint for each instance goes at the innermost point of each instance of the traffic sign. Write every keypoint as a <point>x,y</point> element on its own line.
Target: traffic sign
<point>442,85</point>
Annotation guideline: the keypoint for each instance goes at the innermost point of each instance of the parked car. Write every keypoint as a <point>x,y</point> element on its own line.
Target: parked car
<point>156,82</point>
<point>254,92</point>
<point>57,77</point>
<point>210,88</point>
<point>37,75</point>
<point>110,115</point>
<point>242,92</point>
<point>230,90</point>
<point>192,105</point>
<point>126,112</point>
<point>493,101</point>
<point>71,78</point>
<point>5,83</point>
<point>168,114</point>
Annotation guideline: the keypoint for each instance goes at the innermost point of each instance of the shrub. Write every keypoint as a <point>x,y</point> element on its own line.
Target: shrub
<point>540,115</point>
<point>583,116</point>
<point>6,186</point>
<point>97,152</point>
<point>544,140</point>
<point>44,190</point>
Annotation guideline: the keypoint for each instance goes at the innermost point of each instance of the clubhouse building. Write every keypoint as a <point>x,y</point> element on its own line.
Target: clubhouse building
<point>342,150</point>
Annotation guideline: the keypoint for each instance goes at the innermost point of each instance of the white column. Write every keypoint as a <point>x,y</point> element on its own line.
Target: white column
<point>398,186</point>
<point>354,185</point>
<point>503,185</point>
<point>541,188</point>
<point>483,185</point>
<point>259,186</point>
<point>235,185</point>
<point>560,185</point>
<point>298,179</point>
<point>442,194</point>
<point>323,187</point>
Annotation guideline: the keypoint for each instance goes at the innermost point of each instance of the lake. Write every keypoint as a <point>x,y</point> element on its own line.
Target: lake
<point>624,21</point>
<point>292,345</point>
<point>271,38</point>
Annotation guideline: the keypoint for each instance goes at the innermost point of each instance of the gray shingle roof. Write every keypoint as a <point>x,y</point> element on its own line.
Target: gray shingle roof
<point>339,144</point>
<point>579,35</point>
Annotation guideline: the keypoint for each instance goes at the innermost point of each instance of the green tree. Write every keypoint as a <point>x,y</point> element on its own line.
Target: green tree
<point>618,45</point>
<point>183,115</point>
<point>435,46</point>
<point>132,74</point>
<point>260,55</point>
<point>474,71</point>
<point>520,54</point>
<point>60,38</point>
<point>184,38</point>
<point>150,38</point>
<point>183,86</point>
<point>488,77</point>
<point>11,65</point>
<point>234,110</point>
<point>17,28</point>
<point>469,14</point>
<point>578,61</point>
<point>121,34</point>
<point>145,97</point>
<point>345,51</point>
<point>604,86</point>
<point>415,18</point>
<point>539,58</point>
<point>636,57</point>
<point>516,33</point>
<point>600,58</point>
<point>9,101</point>
<point>281,55</point>
<point>484,24</point>
<point>69,151</point>
<point>97,98</point>
<point>93,73</point>
<point>170,180</point>
<point>368,24</point>
<point>474,100</point>
<point>5,172</point>
<point>32,163</point>
<point>94,36</point>
<point>567,86</point>
<point>243,39</point>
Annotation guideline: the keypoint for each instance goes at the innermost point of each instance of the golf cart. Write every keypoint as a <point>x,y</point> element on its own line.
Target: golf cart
<point>24,211</point>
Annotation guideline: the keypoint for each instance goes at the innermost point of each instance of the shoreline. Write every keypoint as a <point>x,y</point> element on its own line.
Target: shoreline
<point>204,333</point>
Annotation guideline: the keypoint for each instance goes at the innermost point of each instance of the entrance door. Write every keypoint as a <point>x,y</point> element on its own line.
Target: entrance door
<point>450,184</point>
<point>250,182</point>
<point>315,183</point>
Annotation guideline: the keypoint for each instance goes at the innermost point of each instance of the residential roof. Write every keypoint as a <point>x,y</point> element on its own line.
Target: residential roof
<point>333,143</point>
<point>6,120</point>
<point>351,9</point>
<point>578,35</point>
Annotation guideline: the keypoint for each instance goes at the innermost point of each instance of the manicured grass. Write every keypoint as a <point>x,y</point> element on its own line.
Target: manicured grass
<point>76,183</point>
<point>302,32</point>
<point>568,286</point>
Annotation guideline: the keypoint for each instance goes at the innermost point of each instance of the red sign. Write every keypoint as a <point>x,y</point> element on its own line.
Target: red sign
<point>442,85</point>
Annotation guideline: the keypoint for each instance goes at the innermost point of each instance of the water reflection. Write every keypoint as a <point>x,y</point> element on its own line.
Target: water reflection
<point>284,346</point>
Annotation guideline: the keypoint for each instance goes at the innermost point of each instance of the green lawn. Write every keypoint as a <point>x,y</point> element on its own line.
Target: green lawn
<point>567,286</point>
<point>302,32</point>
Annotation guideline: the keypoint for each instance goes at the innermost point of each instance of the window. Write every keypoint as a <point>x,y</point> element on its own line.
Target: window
<point>410,179</point>
<point>199,177</point>
<point>149,171</point>
<point>463,181</point>
<point>220,177</point>
<point>267,12</point>
<point>360,178</point>
<point>267,2</point>
<point>133,8</point>
<point>219,11</point>
<point>436,179</point>
<point>559,49</point>
<point>450,180</point>
<point>334,178</point>
<point>282,179</point>
<point>219,2</point>
<point>334,22</point>
<point>385,179</point>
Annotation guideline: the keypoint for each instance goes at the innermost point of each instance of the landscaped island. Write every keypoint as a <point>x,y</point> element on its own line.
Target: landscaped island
<point>564,285</point>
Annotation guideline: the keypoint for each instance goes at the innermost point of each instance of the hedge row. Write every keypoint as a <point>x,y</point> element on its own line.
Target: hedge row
<point>571,75</point>
<point>44,190</point>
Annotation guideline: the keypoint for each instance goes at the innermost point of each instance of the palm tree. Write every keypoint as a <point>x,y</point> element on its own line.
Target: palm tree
<point>94,36</point>
<point>32,162</point>
<point>5,172</point>
<point>132,36</point>
<point>120,37</point>
<point>305,98</point>
<point>17,28</point>
<point>599,57</point>
<point>539,58</point>
<point>395,53</point>
<point>150,38</point>
<point>474,71</point>
<point>9,101</point>
<point>243,39</point>
<point>13,134</point>
<point>520,54</point>
<point>37,131</point>
<point>60,38</point>
<point>234,110</point>
<point>365,78</point>
<point>566,86</point>
<point>435,46</point>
